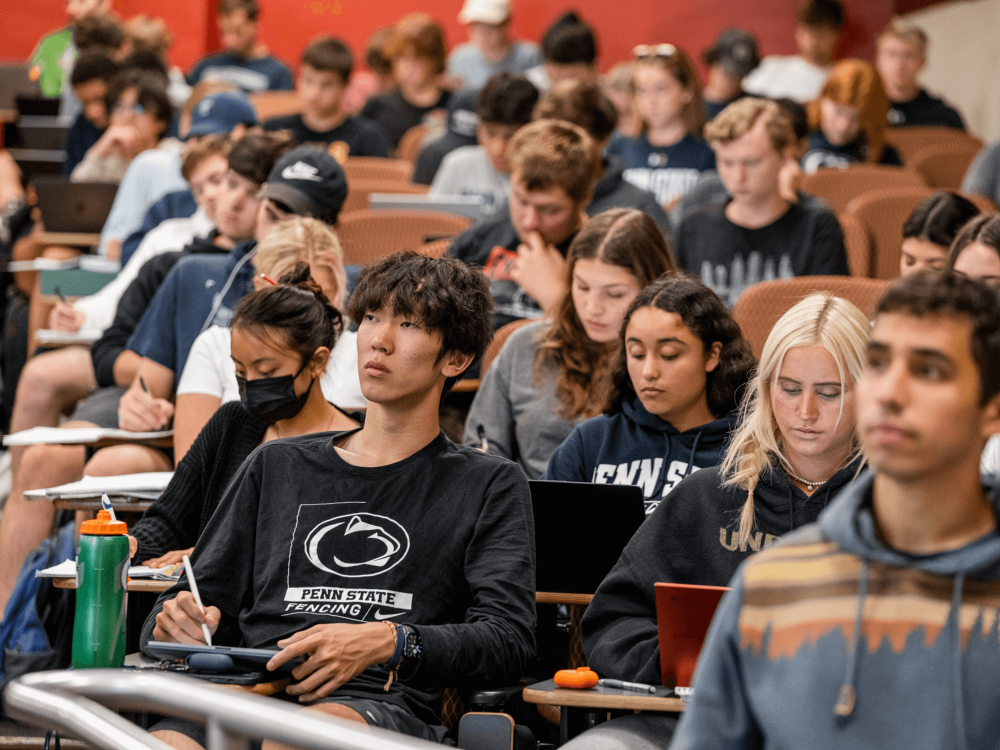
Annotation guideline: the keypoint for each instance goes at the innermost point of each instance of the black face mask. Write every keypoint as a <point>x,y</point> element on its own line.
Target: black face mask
<point>273,399</point>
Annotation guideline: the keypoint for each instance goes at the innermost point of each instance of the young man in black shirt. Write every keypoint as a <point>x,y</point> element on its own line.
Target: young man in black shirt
<point>395,561</point>
<point>326,69</point>
<point>901,55</point>
<point>758,235</point>
<point>522,248</point>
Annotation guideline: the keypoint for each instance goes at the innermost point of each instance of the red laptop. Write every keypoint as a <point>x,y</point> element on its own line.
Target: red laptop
<point>683,614</point>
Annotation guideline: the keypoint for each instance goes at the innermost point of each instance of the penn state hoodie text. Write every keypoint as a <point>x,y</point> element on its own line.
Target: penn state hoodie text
<point>635,447</point>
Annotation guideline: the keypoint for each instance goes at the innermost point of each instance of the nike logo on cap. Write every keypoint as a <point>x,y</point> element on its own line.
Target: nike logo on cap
<point>301,171</point>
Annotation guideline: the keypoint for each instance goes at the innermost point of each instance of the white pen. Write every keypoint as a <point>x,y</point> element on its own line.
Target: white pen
<point>620,685</point>
<point>197,597</point>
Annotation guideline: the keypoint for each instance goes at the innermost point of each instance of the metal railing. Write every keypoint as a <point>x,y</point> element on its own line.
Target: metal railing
<point>78,702</point>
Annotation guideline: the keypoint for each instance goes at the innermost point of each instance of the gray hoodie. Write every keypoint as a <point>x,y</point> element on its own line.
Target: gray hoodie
<point>830,639</point>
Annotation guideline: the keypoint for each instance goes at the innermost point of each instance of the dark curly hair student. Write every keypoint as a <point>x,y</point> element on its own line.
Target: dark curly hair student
<point>681,363</point>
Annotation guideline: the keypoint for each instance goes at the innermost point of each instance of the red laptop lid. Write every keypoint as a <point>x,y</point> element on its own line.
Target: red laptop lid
<point>683,614</point>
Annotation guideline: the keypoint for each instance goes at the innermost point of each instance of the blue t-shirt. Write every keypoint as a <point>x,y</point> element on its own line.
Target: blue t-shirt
<point>250,74</point>
<point>189,301</point>
<point>667,172</point>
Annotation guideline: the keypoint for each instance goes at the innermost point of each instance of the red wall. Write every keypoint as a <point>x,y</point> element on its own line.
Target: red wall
<point>288,24</point>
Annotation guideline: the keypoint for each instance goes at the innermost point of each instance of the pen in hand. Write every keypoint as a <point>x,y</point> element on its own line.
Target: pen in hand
<point>61,296</point>
<point>142,382</point>
<point>189,572</point>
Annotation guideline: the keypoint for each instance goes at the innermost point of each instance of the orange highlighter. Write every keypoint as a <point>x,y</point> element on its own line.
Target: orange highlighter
<point>578,679</point>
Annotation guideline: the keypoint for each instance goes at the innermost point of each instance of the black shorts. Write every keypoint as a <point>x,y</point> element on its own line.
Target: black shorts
<point>376,713</point>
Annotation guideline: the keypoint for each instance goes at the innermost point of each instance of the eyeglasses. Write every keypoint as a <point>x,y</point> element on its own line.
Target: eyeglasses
<point>645,51</point>
<point>135,109</point>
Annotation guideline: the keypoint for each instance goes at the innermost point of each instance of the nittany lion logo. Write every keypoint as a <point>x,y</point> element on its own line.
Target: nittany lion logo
<point>357,545</point>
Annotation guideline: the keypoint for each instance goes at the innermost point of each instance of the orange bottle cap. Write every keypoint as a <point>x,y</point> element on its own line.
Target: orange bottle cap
<point>103,525</point>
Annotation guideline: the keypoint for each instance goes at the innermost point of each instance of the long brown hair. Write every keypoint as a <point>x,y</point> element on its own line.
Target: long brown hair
<point>682,68</point>
<point>624,237</point>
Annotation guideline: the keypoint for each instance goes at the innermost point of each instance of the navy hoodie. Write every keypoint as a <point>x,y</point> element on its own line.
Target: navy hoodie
<point>635,447</point>
<point>831,639</point>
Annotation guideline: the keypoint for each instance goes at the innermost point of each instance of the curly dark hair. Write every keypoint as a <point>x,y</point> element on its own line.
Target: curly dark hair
<point>624,237</point>
<point>706,316</point>
<point>295,310</point>
<point>444,293</point>
<point>949,294</point>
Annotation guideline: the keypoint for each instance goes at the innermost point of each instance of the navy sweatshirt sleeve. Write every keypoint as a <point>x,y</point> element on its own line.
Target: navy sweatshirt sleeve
<point>568,462</point>
<point>131,306</point>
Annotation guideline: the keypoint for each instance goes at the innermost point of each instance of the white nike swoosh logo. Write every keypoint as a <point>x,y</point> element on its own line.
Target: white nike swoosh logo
<point>380,615</point>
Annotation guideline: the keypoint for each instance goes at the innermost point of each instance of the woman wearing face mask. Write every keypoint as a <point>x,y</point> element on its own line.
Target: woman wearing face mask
<point>682,360</point>
<point>795,448</point>
<point>849,119</point>
<point>281,341</point>
<point>548,377</point>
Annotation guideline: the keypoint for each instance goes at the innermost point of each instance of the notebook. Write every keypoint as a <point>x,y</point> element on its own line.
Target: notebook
<point>146,485</point>
<point>74,206</point>
<point>580,532</point>
<point>683,614</point>
<point>79,436</point>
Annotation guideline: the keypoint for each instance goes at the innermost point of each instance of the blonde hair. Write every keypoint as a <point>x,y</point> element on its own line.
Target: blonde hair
<point>741,116</point>
<point>820,319</point>
<point>905,32</point>
<point>301,240</point>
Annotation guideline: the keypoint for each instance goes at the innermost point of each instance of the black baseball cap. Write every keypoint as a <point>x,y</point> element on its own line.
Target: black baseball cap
<point>736,51</point>
<point>309,182</point>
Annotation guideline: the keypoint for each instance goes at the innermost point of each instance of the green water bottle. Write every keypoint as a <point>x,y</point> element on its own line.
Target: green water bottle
<point>101,576</point>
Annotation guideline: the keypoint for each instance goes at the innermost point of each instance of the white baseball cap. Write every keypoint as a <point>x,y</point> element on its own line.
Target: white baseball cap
<point>484,11</point>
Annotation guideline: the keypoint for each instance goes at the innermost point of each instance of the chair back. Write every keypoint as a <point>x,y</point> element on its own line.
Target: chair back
<point>909,140</point>
<point>410,143</point>
<point>374,168</point>
<point>268,104</point>
<point>839,186</point>
<point>857,245</point>
<point>359,190</point>
<point>760,306</point>
<point>944,165</point>
<point>435,249</point>
<point>367,235</point>
<point>500,337</point>
<point>883,212</point>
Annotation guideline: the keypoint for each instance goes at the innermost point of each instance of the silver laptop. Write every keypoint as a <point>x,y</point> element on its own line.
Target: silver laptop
<point>472,206</point>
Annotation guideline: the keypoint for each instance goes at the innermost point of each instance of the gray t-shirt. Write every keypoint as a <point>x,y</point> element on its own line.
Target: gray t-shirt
<point>518,411</point>
<point>468,63</point>
<point>983,176</point>
<point>468,171</point>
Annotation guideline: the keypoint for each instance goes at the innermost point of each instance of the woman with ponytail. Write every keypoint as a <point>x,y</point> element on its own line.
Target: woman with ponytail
<point>281,339</point>
<point>795,448</point>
